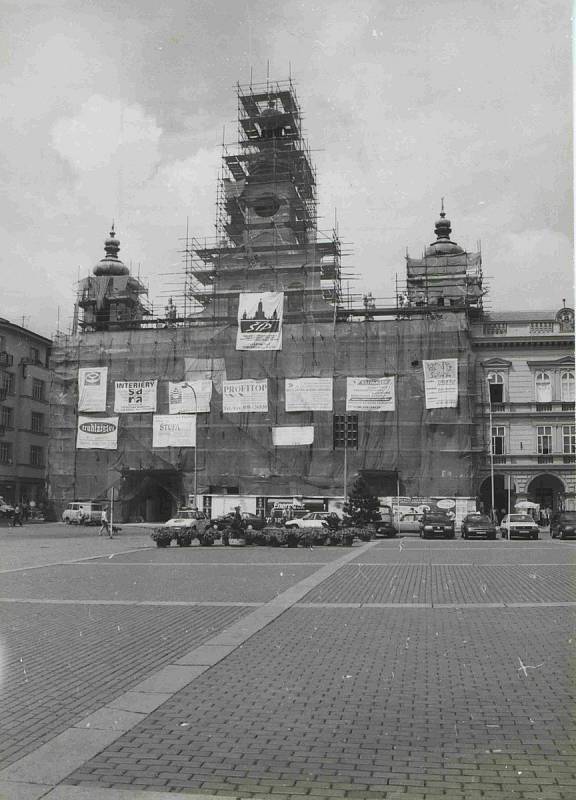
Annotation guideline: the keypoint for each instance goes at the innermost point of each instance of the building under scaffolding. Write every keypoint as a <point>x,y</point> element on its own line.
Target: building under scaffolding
<point>268,243</point>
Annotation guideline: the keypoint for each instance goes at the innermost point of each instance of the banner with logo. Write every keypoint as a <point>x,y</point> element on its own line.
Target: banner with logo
<point>287,436</point>
<point>189,397</point>
<point>244,396</point>
<point>308,394</point>
<point>97,433</point>
<point>169,430</point>
<point>260,321</point>
<point>370,394</point>
<point>135,397</point>
<point>441,383</point>
<point>92,382</point>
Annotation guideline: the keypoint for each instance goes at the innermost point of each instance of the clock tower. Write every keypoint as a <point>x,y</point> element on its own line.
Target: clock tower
<point>267,236</point>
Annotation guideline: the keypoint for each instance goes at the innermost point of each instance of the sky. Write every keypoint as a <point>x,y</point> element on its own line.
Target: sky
<point>118,110</point>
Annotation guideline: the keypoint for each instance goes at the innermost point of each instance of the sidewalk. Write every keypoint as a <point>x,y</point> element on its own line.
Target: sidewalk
<point>395,669</point>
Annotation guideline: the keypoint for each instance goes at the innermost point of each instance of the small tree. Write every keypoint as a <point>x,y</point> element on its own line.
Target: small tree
<point>362,506</point>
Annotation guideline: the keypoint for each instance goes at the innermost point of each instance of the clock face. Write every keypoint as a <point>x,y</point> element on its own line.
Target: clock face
<point>266,205</point>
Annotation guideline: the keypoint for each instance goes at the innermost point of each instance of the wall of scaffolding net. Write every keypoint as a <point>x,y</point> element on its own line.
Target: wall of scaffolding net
<point>429,449</point>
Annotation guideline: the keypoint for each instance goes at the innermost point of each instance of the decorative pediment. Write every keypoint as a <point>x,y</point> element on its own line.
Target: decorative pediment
<point>565,361</point>
<point>496,363</point>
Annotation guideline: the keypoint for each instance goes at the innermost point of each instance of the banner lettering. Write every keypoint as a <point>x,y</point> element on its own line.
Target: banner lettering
<point>370,394</point>
<point>308,394</point>
<point>441,383</point>
<point>189,397</point>
<point>92,382</point>
<point>260,321</point>
<point>244,396</point>
<point>135,397</point>
<point>169,430</point>
<point>97,433</point>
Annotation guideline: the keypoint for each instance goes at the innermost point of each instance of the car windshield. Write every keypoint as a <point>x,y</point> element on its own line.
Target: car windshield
<point>479,519</point>
<point>520,518</point>
<point>568,516</point>
<point>437,518</point>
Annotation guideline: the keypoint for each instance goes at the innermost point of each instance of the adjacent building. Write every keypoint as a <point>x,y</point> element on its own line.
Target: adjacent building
<point>24,413</point>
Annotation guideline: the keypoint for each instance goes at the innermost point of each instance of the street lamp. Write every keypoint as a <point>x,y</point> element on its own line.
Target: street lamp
<point>491,445</point>
<point>195,446</point>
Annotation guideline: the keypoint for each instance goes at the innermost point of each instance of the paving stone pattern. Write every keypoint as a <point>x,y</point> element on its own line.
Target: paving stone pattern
<point>187,582</point>
<point>412,584</point>
<point>369,703</point>
<point>61,663</point>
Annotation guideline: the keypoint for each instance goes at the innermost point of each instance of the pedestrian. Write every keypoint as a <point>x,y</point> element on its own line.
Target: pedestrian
<point>17,516</point>
<point>105,527</point>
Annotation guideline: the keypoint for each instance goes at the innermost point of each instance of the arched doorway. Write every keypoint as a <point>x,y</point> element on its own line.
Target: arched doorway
<point>500,494</point>
<point>150,495</point>
<point>548,491</point>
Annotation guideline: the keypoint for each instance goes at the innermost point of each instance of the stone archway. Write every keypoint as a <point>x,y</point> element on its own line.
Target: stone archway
<point>548,491</point>
<point>500,494</point>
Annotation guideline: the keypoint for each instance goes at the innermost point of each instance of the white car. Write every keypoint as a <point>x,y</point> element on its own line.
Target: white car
<point>518,525</point>
<point>189,518</point>
<point>311,520</point>
<point>5,508</point>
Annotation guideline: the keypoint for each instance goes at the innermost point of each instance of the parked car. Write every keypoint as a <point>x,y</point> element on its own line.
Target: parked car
<point>83,511</point>
<point>477,525</point>
<point>188,524</point>
<point>385,527</point>
<point>410,523</point>
<point>314,519</point>
<point>435,523</point>
<point>521,525</point>
<point>6,510</point>
<point>255,521</point>
<point>563,524</point>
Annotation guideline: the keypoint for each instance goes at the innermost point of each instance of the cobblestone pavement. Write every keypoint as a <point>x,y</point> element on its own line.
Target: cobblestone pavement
<point>399,669</point>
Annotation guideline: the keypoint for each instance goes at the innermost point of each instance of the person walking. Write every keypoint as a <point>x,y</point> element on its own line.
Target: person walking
<point>105,527</point>
<point>17,516</point>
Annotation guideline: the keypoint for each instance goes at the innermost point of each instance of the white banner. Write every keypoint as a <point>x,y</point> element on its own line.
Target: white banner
<point>291,436</point>
<point>441,383</point>
<point>370,394</point>
<point>260,321</point>
<point>97,433</point>
<point>135,397</point>
<point>189,397</point>
<point>169,430</point>
<point>92,383</point>
<point>248,395</point>
<point>308,394</point>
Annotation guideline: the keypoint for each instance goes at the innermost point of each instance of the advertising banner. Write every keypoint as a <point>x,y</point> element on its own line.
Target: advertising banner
<point>169,430</point>
<point>97,433</point>
<point>189,397</point>
<point>291,436</point>
<point>370,394</point>
<point>244,396</point>
<point>92,382</point>
<point>260,321</point>
<point>135,397</point>
<point>441,383</point>
<point>308,394</point>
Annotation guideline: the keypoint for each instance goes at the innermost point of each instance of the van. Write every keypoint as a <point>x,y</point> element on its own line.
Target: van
<point>83,511</point>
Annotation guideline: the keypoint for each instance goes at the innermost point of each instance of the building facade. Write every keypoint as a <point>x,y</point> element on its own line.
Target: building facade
<point>293,395</point>
<point>24,413</point>
<point>525,407</point>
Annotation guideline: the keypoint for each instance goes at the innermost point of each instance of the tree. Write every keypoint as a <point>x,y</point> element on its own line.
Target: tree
<point>362,507</point>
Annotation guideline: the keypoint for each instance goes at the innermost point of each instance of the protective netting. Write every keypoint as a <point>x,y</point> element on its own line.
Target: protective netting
<point>430,449</point>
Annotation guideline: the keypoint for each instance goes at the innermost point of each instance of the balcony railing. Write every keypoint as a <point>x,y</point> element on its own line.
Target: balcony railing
<point>6,359</point>
<point>543,407</point>
<point>3,393</point>
<point>524,459</point>
<point>525,407</point>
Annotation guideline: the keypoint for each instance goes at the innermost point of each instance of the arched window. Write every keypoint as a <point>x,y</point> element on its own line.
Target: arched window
<point>567,387</point>
<point>496,386</point>
<point>543,387</point>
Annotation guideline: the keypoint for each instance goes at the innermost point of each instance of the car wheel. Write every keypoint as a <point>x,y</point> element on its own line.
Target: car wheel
<point>464,536</point>
<point>162,543</point>
<point>536,536</point>
<point>492,537</point>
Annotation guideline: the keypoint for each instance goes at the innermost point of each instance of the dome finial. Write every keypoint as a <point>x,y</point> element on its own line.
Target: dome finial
<point>111,264</point>
<point>442,213</point>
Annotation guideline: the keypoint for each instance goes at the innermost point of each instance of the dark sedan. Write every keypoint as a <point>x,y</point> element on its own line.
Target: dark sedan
<point>563,524</point>
<point>437,525</point>
<point>248,520</point>
<point>478,525</point>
